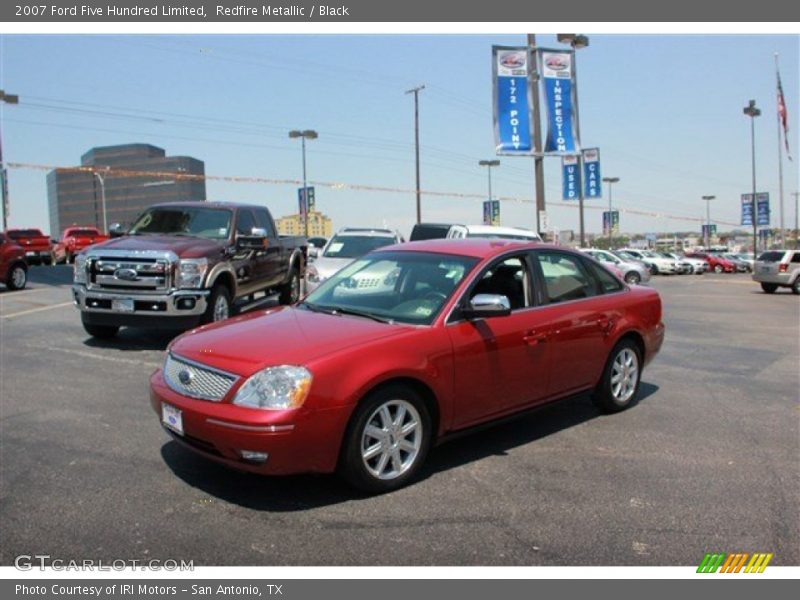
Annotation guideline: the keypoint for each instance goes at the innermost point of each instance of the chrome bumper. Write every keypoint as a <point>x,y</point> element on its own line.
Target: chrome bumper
<point>152,305</point>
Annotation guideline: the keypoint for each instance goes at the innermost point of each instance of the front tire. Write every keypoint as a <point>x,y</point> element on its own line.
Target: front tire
<point>290,291</point>
<point>769,288</point>
<point>17,277</point>
<point>633,278</point>
<point>387,440</point>
<point>102,332</point>
<point>219,305</point>
<point>619,385</point>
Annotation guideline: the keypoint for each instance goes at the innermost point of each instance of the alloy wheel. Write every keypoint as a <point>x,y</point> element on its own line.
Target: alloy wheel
<point>624,375</point>
<point>222,309</point>
<point>391,440</point>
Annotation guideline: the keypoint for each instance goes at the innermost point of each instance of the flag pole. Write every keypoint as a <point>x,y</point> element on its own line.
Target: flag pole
<point>780,148</point>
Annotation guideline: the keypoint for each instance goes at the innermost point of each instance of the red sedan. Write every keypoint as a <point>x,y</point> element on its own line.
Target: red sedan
<point>716,263</point>
<point>401,349</point>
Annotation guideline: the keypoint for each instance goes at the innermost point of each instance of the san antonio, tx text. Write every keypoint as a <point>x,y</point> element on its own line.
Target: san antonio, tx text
<point>148,590</point>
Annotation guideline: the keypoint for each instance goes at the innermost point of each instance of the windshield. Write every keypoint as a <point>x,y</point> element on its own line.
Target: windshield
<point>354,246</point>
<point>406,287</point>
<point>22,233</point>
<point>504,236</point>
<point>211,223</point>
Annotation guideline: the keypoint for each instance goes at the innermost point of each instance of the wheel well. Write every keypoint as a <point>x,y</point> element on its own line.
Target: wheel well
<point>425,392</point>
<point>226,279</point>
<point>637,339</point>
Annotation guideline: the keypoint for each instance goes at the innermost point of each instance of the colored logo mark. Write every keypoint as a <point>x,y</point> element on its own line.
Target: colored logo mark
<point>734,563</point>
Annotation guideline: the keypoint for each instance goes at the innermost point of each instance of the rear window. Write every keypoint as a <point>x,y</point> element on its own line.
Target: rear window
<point>771,257</point>
<point>84,232</point>
<point>429,232</point>
<point>23,233</point>
<point>796,257</point>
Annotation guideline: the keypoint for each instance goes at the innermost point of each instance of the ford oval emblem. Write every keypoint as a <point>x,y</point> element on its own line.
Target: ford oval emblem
<point>185,377</point>
<point>126,274</point>
<point>513,60</point>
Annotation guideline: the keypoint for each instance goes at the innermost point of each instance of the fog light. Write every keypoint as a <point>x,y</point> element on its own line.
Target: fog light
<point>252,456</point>
<point>186,303</point>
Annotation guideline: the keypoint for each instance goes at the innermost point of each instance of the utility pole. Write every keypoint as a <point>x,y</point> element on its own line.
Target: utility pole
<point>796,229</point>
<point>303,135</point>
<point>780,158</point>
<point>5,99</point>
<point>538,156</point>
<point>751,111</point>
<point>708,200</point>
<point>416,92</point>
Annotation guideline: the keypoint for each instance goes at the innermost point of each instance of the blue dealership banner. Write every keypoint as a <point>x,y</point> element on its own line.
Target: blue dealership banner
<point>491,212</point>
<point>762,209</point>
<point>571,176</point>
<point>557,69</point>
<point>610,222</point>
<point>306,200</point>
<point>512,102</point>
<point>591,173</point>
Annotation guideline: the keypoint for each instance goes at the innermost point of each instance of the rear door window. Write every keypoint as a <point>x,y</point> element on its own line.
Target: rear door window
<point>796,257</point>
<point>565,277</point>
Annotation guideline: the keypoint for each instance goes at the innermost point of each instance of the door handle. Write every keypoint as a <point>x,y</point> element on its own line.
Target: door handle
<point>605,325</point>
<point>532,338</point>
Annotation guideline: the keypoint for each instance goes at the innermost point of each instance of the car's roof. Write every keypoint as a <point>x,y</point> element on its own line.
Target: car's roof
<point>474,247</point>
<point>499,230</point>
<point>366,232</point>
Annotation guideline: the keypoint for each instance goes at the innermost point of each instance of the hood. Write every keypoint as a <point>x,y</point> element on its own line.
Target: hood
<point>278,336</point>
<point>184,247</point>
<point>326,267</point>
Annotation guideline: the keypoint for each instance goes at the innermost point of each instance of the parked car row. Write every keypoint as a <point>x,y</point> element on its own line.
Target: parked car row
<point>41,250</point>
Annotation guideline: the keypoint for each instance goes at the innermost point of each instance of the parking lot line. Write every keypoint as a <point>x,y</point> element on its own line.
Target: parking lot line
<point>116,359</point>
<point>35,310</point>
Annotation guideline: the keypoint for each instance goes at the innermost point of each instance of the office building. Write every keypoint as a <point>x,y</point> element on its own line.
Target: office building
<point>319,225</point>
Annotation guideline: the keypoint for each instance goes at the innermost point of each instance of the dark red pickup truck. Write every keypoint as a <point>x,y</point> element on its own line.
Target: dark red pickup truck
<point>37,245</point>
<point>186,263</point>
<point>13,268</point>
<point>73,240</point>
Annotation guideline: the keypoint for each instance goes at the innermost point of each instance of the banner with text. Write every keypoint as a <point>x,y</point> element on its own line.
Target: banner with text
<point>762,209</point>
<point>610,222</point>
<point>491,212</point>
<point>512,102</point>
<point>558,74</point>
<point>591,173</point>
<point>571,176</point>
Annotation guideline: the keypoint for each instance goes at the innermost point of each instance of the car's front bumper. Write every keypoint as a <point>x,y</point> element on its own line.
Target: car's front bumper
<point>148,309</point>
<point>295,441</point>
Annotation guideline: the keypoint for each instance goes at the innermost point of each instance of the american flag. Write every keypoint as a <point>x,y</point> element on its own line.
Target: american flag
<point>783,116</point>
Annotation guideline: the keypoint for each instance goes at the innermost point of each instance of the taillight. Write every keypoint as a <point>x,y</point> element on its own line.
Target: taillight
<point>783,267</point>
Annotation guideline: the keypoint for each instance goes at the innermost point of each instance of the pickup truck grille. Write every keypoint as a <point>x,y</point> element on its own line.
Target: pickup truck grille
<point>134,274</point>
<point>196,381</point>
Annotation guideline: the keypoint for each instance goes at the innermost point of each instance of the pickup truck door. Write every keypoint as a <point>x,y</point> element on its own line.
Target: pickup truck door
<point>276,260</point>
<point>250,265</point>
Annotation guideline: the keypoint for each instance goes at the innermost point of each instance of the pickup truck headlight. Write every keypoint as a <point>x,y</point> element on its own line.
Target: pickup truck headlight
<point>275,388</point>
<point>79,269</point>
<point>191,272</point>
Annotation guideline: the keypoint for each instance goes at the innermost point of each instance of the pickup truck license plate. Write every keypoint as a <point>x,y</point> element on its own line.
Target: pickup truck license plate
<point>122,304</point>
<point>172,418</point>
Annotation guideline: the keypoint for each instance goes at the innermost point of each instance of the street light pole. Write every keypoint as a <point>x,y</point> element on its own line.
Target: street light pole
<point>538,156</point>
<point>751,111</point>
<point>708,200</point>
<point>489,164</point>
<point>416,92</point>
<point>610,180</point>
<point>102,199</point>
<point>5,99</point>
<point>796,228</point>
<point>311,135</point>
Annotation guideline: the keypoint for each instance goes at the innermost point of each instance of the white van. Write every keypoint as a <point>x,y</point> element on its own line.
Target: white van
<point>492,231</point>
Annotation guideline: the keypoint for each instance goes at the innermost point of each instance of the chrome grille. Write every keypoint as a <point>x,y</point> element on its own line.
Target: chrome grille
<point>197,381</point>
<point>134,274</point>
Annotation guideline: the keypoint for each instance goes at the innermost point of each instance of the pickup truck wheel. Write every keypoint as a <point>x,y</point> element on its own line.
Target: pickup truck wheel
<point>219,305</point>
<point>69,258</point>
<point>387,440</point>
<point>102,332</point>
<point>769,288</point>
<point>620,383</point>
<point>290,291</point>
<point>17,277</point>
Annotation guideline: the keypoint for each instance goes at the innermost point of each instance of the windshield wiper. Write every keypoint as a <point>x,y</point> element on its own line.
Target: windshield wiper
<point>338,310</point>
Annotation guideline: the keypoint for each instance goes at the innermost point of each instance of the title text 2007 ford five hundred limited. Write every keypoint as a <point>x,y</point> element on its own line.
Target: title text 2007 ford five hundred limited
<point>401,348</point>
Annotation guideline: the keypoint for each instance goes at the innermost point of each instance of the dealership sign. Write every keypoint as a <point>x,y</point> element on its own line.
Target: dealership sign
<point>591,173</point>
<point>762,209</point>
<point>558,74</point>
<point>571,176</point>
<point>610,222</point>
<point>491,212</point>
<point>512,122</point>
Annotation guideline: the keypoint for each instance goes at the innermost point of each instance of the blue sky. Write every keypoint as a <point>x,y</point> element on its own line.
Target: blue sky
<point>665,110</point>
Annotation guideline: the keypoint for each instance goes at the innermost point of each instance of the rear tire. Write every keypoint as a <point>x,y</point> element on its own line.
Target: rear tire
<point>101,332</point>
<point>769,288</point>
<point>633,278</point>
<point>796,285</point>
<point>377,456</point>
<point>290,291</point>
<point>17,276</point>
<point>619,384</point>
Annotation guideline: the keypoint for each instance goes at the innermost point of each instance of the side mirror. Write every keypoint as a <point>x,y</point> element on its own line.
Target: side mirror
<point>117,230</point>
<point>484,306</point>
<point>257,240</point>
<point>313,252</point>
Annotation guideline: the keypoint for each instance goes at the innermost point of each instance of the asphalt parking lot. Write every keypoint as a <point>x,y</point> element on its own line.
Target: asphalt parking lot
<point>706,461</point>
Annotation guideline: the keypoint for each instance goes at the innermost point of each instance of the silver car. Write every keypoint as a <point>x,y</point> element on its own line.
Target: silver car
<point>343,248</point>
<point>778,268</point>
<point>632,272</point>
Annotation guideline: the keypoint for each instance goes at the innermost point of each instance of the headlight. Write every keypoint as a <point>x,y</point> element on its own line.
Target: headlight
<point>191,272</point>
<point>313,275</point>
<point>275,388</point>
<point>79,269</point>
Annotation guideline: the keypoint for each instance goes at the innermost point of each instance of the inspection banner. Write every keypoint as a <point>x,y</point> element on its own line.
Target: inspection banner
<point>512,101</point>
<point>591,173</point>
<point>571,176</point>
<point>491,212</point>
<point>558,74</point>
<point>762,209</point>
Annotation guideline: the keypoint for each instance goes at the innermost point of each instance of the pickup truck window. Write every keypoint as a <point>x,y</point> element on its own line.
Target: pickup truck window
<point>263,221</point>
<point>245,222</point>
<point>23,233</point>
<point>211,223</point>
